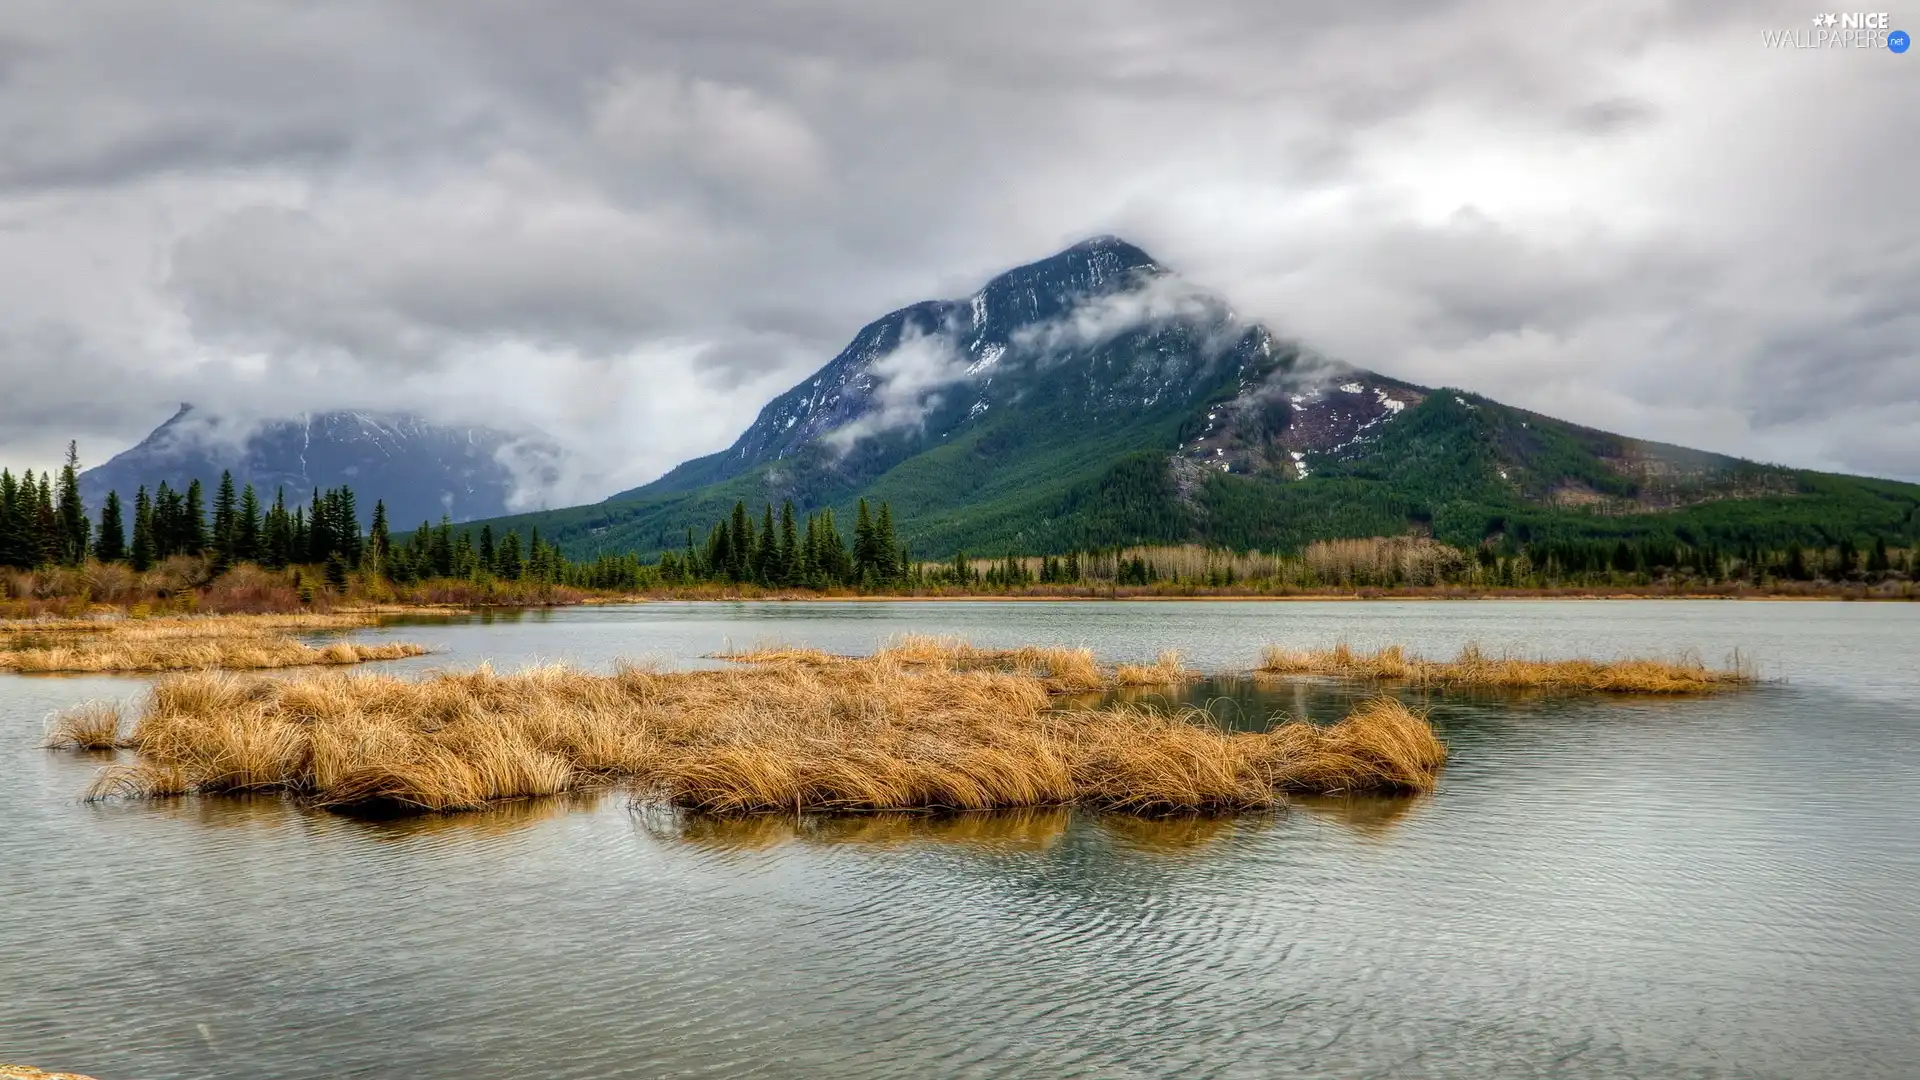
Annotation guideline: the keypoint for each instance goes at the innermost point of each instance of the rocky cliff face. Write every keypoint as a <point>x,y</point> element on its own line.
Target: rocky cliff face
<point>420,470</point>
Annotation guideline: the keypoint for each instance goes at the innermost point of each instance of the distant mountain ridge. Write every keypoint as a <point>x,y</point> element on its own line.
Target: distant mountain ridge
<point>1096,398</point>
<point>419,469</point>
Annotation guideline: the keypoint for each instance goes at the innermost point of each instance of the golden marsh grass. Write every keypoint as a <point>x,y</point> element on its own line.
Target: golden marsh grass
<point>1473,669</point>
<point>912,728</point>
<point>185,643</point>
<point>1167,670</point>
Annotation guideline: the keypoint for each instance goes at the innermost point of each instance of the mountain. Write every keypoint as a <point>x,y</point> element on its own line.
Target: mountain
<point>1096,398</point>
<point>418,469</point>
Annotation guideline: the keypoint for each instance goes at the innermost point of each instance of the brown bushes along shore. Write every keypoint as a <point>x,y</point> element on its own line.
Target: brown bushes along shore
<point>177,644</point>
<point>916,728</point>
<point>1473,669</point>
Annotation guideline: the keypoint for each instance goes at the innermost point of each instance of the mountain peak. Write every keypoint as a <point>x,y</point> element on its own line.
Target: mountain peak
<point>420,470</point>
<point>1116,246</point>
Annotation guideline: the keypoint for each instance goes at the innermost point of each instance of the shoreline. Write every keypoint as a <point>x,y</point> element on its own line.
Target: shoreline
<point>375,614</point>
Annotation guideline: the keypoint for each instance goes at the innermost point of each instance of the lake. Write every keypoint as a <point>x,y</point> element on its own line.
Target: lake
<point>1620,887</point>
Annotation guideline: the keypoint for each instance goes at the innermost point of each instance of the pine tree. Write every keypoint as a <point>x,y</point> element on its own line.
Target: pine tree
<point>346,526</point>
<point>246,530</point>
<point>441,548</point>
<point>141,553</point>
<point>226,531</point>
<point>540,558</point>
<point>378,540</point>
<point>887,564</point>
<point>73,524</point>
<point>320,541</point>
<point>789,546</point>
<point>489,555</point>
<point>766,550</point>
<point>865,546</point>
<point>336,573</point>
<point>508,559</point>
<point>277,543</point>
<point>466,563</point>
<point>112,545</point>
<point>193,530</point>
<point>741,551</point>
<point>48,537</point>
<point>13,531</point>
<point>299,536</point>
<point>835,565</point>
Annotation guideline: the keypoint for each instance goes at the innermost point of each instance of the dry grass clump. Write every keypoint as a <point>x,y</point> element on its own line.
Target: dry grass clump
<point>1061,670</point>
<point>869,735</point>
<point>777,653</point>
<point>175,644</point>
<point>92,726</point>
<point>1686,675</point>
<point>1167,670</point>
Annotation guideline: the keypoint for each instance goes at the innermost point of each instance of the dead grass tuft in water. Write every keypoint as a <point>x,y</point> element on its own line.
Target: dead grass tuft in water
<point>1165,671</point>
<point>1687,675</point>
<point>92,726</point>
<point>177,644</point>
<point>883,733</point>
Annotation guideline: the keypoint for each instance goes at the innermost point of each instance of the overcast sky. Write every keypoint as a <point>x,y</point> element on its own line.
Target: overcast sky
<point>632,223</point>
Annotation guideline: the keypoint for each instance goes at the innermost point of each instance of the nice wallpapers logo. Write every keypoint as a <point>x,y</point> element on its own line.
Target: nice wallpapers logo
<point>1842,30</point>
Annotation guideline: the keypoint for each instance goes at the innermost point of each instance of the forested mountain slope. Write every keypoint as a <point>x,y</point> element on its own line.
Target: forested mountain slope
<point>1095,398</point>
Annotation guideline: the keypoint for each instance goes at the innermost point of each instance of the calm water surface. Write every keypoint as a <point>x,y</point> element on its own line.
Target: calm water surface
<point>1600,888</point>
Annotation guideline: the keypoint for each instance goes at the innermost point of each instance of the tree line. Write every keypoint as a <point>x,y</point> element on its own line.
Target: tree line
<point>791,552</point>
<point>43,522</point>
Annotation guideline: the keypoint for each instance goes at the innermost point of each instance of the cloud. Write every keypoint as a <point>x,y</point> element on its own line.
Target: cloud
<point>631,225</point>
<point>908,383</point>
<point>1154,300</point>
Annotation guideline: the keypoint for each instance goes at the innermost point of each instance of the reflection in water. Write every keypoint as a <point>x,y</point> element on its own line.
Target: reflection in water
<point>1181,832</point>
<point>1030,829</point>
<point>1369,815</point>
<point>510,816</point>
<point>1024,829</point>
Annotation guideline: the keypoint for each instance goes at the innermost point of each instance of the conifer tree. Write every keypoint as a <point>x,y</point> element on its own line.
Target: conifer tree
<point>164,521</point>
<point>193,530</point>
<point>836,567</point>
<point>246,531</point>
<point>336,573</point>
<point>741,550</point>
<point>226,530</point>
<point>887,563</point>
<point>441,549</point>
<point>13,528</point>
<point>277,542</point>
<point>378,540</point>
<point>865,546</point>
<point>789,546</point>
<point>73,524</point>
<point>489,555</point>
<point>465,563</point>
<point>507,557</point>
<point>48,537</point>
<point>141,553</point>
<point>319,530</point>
<point>539,558</point>
<point>766,549</point>
<point>346,526</point>
<point>112,544</point>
